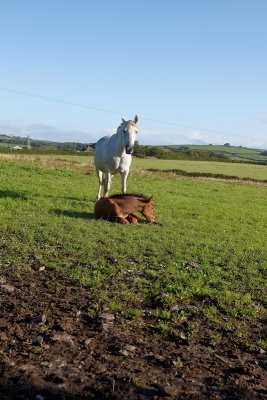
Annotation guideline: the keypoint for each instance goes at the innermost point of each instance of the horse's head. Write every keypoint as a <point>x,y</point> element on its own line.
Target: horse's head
<point>129,131</point>
<point>148,210</point>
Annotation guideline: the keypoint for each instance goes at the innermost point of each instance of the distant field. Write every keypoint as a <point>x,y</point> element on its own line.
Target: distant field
<point>6,144</point>
<point>250,171</point>
<point>232,152</point>
<point>235,153</point>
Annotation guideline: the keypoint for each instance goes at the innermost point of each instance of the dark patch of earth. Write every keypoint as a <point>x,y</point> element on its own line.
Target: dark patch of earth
<point>56,343</point>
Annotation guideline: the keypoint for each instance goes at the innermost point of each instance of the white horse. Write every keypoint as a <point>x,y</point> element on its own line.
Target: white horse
<point>113,154</point>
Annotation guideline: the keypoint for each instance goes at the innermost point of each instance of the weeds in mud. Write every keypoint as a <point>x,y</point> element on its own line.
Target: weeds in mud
<point>43,328</point>
<point>132,313</point>
<point>115,307</point>
<point>178,362</point>
<point>262,342</point>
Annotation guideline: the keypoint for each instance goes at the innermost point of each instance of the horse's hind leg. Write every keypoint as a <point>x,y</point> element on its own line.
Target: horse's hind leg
<point>101,184</point>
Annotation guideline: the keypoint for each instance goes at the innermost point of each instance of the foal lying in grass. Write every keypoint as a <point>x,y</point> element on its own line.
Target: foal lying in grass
<point>121,208</point>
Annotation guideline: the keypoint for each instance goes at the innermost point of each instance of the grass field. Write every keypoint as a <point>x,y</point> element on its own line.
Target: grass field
<point>235,153</point>
<point>250,171</point>
<point>212,244</point>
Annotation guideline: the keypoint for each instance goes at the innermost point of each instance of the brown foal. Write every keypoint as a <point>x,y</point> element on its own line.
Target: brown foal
<point>121,208</point>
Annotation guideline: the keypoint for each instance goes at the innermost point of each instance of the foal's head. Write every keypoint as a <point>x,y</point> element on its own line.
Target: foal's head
<point>148,210</point>
<point>129,131</point>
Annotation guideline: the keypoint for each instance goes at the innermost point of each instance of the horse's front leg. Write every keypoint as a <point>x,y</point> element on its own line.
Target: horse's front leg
<point>124,175</point>
<point>101,182</point>
<point>134,219</point>
<point>122,220</point>
<point>107,183</point>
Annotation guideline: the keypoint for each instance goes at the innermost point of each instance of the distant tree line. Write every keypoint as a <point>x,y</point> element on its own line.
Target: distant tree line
<point>182,154</point>
<point>41,151</point>
<point>42,144</point>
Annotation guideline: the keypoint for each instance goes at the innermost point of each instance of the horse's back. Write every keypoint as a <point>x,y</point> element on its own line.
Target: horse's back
<point>99,155</point>
<point>104,139</point>
<point>126,203</point>
<point>113,206</point>
<point>101,144</point>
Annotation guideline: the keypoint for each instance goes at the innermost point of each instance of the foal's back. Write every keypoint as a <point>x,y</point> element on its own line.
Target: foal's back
<point>127,202</point>
<point>117,205</point>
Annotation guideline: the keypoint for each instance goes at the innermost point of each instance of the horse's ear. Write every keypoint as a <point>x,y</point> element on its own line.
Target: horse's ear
<point>149,199</point>
<point>123,120</point>
<point>135,119</point>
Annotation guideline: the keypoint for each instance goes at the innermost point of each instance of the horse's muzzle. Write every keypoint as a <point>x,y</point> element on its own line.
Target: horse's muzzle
<point>129,150</point>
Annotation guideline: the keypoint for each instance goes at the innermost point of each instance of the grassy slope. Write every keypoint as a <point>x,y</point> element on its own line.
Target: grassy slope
<point>212,244</point>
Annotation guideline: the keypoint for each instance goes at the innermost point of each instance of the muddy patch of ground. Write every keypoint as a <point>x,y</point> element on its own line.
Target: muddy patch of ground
<point>56,342</point>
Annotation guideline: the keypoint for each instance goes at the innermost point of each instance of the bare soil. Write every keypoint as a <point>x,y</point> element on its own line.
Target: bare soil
<point>57,342</point>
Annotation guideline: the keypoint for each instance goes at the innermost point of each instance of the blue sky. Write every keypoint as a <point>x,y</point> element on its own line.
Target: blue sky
<point>199,66</point>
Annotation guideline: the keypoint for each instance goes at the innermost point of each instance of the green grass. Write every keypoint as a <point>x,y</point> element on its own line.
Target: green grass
<point>211,249</point>
<point>250,171</point>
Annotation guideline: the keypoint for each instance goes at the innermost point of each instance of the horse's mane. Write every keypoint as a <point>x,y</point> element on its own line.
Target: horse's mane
<point>130,194</point>
<point>119,127</point>
<point>124,123</point>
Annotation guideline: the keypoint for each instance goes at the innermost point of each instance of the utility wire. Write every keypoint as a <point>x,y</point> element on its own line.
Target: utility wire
<point>70,103</point>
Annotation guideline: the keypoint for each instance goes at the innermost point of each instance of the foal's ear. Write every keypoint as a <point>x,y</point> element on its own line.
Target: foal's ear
<point>123,120</point>
<point>135,119</point>
<point>149,199</point>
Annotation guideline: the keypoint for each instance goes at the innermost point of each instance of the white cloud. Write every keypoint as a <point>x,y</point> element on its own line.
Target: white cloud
<point>42,131</point>
<point>193,137</point>
<point>255,143</point>
<point>161,137</point>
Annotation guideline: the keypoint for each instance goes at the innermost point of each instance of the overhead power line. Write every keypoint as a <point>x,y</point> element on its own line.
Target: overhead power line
<point>60,101</point>
<point>74,104</point>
